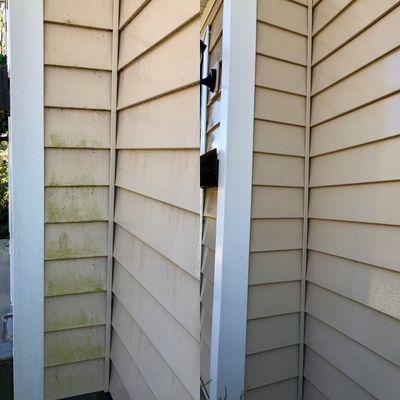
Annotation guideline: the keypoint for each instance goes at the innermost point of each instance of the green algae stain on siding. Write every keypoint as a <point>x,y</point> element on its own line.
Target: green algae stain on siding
<point>74,311</point>
<point>75,276</point>
<point>61,141</point>
<point>76,204</point>
<point>59,249</point>
<point>67,283</point>
<point>76,240</point>
<point>70,320</point>
<point>74,345</point>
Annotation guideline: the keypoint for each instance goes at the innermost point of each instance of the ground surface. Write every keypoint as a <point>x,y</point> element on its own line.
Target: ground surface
<point>92,396</point>
<point>5,306</point>
<point>5,325</point>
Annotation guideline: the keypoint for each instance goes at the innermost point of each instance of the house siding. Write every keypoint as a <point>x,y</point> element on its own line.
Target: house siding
<point>272,351</point>
<point>352,321</point>
<point>77,57</point>
<point>155,316</point>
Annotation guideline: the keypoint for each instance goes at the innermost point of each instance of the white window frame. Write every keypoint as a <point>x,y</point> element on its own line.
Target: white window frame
<point>229,322</point>
<point>25,23</point>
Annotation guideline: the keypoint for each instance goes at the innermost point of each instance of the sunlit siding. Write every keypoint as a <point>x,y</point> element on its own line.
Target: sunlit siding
<point>155,350</point>
<point>353,325</point>
<point>277,201</point>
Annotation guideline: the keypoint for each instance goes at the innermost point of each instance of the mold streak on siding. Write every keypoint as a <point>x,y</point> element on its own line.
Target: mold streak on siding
<point>352,310</point>
<point>77,140</point>
<point>277,203</point>
<point>155,316</point>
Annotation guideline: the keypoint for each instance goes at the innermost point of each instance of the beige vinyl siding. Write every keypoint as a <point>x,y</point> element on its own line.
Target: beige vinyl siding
<point>77,140</point>
<point>352,322</point>
<point>213,20</point>
<point>155,316</point>
<point>74,379</point>
<point>277,201</point>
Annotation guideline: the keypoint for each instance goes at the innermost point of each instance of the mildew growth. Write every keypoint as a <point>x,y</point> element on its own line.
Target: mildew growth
<point>76,204</point>
<point>80,179</point>
<point>72,346</point>
<point>75,276</point>
<point>72,284</point>
<point>73,319</point>
<point>74,311</point>
<point>60,141</point>
<point>60,249</point>
<point>72,379</point>
<point>75,240</point>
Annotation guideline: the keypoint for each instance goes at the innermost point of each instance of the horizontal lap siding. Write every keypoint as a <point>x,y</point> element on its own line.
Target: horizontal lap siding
<point>213,120</point>
<point>155,335</point>
<point>352,322</point>
<point>77,140</point>
<point>277,201</point>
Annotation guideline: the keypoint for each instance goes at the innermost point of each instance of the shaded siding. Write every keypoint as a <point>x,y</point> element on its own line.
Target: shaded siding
<point>155,335</point>
<point>277,201</point>
<point>77,140</point>
<point>212,20</point>
<point>352,323</point>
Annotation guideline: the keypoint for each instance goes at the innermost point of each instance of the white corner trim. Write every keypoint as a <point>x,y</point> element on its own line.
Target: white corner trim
<point>229,322</point>
<point>305,201</point>
<point>25,25</point>
<point>111,192</point>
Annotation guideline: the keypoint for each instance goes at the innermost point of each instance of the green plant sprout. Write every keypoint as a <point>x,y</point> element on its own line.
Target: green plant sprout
<point>225,395</point>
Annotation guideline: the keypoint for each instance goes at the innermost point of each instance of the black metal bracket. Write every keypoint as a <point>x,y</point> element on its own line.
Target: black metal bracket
<point>203,47</point>
<point>209,169</point>
<point>210,80</point>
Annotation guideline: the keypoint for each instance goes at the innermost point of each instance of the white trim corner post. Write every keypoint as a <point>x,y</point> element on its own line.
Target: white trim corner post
<point>26,66</point>
<point>305,202</point>
<point>229,321</point>
<point>111,193</point>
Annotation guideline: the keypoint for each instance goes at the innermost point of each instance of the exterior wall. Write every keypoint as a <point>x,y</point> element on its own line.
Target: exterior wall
<point>77,59</point>
<point>155,336</point>
<point>277,201</point>
<point>213,20</point>
<point>352,325</point>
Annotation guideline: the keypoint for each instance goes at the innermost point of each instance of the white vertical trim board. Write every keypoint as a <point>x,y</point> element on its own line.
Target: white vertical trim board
<point>203,144</point>
<point>111,194</point>
<point>306,200</point>
<point>228,344</point>
<point>204,92</point>
<point>27,194</point>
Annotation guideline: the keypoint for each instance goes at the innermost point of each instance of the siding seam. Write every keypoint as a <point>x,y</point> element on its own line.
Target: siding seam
<point>156,250</point>
<point>156,349</point>
<point>260,21</point>
<point>156,299</point>
<point>111,198</point>
<point>322,286</point>
<point>70,25</point>
<point>133,15</point>
<point>169,35</point>
<point>341,11</point>
<point>305,202</point>
<point>158,96</point>
<point>355,71</point>
<point>363,29</point>
<point>334,366</point>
